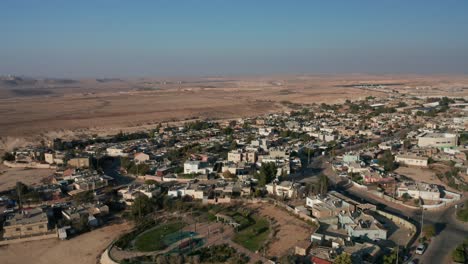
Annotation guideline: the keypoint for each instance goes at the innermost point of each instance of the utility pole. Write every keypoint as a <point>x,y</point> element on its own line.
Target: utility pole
<point>422,218</point>
<point>398,249</point>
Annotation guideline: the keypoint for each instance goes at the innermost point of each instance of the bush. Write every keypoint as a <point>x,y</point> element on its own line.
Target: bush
<point>406,197</point>
<point>8,156</point>
<point>460,254</point>
<point>429,231</point>
<point>462,214</point>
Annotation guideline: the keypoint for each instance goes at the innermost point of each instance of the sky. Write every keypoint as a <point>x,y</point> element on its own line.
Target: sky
<point>117,38</point>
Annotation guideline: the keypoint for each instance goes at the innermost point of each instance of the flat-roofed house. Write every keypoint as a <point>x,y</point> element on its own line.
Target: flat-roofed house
<point>412,160</point>
<point>79,162</point>
<point>26,223</point>
<point>419,190</point>
<point>438,140</point>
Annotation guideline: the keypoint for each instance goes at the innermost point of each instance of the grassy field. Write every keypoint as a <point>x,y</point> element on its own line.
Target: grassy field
<point>254,236</point>
<point>153,239</point>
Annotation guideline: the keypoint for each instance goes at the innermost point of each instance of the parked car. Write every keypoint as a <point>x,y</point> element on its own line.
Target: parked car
<point>420,249</point>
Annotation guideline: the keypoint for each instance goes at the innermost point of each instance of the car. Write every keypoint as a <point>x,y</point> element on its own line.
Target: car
<point>8,211</point>
<point>420,249</point>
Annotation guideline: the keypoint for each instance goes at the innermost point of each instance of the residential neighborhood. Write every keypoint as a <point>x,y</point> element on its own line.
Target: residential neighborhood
<point>305,162</point>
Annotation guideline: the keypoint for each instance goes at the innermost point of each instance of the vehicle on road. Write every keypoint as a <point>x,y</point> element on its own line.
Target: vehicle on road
<point>420,249</point>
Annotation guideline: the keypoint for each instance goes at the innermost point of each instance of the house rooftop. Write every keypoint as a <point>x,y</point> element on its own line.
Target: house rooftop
<point>27,217</point>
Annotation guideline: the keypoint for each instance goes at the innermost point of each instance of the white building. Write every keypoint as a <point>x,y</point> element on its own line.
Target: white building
<point>412,160</point>
<point>419,190</point>
<point>116,152</point>
<point>130,193</point>
<point>141,157</point>
<point>438,140</point>
<point>283,189</point>
<point>196,167</point>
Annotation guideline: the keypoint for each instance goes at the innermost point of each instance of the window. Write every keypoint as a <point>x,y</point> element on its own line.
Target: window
<point>41,226</point>
<point>18,229</point>
<point>29,228</point>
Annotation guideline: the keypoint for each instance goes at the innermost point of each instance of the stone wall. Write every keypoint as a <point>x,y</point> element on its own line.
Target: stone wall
<point>26,239</point>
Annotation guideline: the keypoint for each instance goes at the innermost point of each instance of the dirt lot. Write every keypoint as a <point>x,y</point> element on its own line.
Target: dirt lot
<point>420,174</point>
<point>290,230</point>
<point>83,249</point>
<point>9,176</point>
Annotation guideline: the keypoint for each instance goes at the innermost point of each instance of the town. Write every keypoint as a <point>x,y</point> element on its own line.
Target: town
<point>365,181</point>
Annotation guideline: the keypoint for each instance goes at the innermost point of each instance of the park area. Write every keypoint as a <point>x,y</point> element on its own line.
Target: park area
<point>183,233</point>
<point>255,235</point>
<point>253,230</point>
<point>160,237</point>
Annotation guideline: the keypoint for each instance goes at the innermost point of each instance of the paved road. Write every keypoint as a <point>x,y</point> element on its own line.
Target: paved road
<point>451,233</point>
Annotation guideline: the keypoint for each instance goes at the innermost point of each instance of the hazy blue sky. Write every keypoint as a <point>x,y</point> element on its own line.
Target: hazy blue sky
<point>111,38</point>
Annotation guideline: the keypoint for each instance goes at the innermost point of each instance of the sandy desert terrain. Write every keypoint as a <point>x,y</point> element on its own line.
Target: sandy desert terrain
<point>32,107</point>
<point>10,176</point>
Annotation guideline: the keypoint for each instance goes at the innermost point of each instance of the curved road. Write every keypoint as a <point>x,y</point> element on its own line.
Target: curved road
<point>449,231</point>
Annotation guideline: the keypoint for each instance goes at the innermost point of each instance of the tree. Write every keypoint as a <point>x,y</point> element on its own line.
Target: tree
<point>406,197</point>
<point>391,258</point>
<point>21,190</point>
<point>462,214</point>
<point>233,145</point>
<point>429,231</point>
<point>460,254</point>
<point>228,175</point>
<point>387,161</point>
<point>142,206</point>
<point>8,156</point>
<point>267,173</point>
<point>343,258</point>
<point>323,184</point>
<point>311,188</point>
<point>84,197</point>
<point>402,104</point>
<point>406,144</point>
<point>151,182</point>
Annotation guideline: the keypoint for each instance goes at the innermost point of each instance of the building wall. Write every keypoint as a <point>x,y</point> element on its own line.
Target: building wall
<point>15,231</point>
<point>412,161</point>
<point>372,234</point>
<point>235,157</point>
<point>416,194</point>
<point>450,141</point>
<point>79,162</point>
<point>190,168</point>
<point>49,158</point>
<point>251,157</point>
